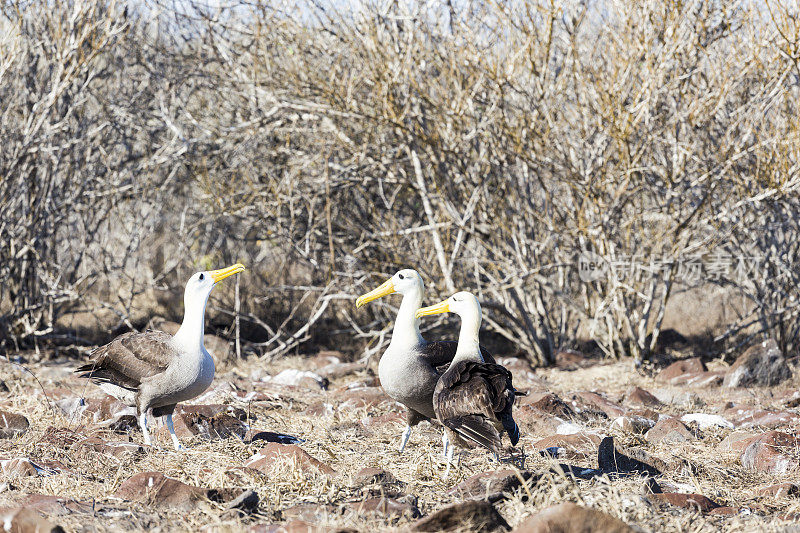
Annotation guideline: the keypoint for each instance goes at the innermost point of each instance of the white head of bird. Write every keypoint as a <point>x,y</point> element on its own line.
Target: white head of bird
<point>467,307</point>
<point>195,296</point>
<point>407,282</point>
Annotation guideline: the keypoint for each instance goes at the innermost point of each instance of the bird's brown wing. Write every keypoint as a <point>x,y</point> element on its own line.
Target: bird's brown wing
<point>129,359</point>
<point>472,397</point>
<point>439,354</point>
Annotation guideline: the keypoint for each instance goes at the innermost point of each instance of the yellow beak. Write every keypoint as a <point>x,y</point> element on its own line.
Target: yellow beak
<point>386,288</point>
<point>441,307</point>
<point>222,273</point>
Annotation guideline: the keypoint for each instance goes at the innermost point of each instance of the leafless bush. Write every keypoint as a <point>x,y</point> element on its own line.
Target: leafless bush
<point>488,145</point>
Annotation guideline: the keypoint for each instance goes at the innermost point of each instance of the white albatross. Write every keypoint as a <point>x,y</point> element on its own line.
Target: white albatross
<point>155,370</point>
<point>411,366</point>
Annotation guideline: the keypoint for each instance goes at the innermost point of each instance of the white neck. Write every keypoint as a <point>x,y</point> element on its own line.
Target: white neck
<point>190,334</point>
<point>469,346</point>
<point>406,326</point>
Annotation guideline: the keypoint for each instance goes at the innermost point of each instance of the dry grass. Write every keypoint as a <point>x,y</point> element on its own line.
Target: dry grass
<point>346,445</point>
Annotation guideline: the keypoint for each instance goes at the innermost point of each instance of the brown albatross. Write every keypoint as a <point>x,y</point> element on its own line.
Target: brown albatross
<point>155,370</point>
<point>411,366</point>
<point>474,397</point>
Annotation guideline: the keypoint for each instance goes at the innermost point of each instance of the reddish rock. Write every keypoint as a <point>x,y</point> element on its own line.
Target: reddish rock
<point>779,490</point>
<point>773,452</point>
<point>274,452</point>
<point>18,468</point>
<point>491,486</point>
<point>339,370</point>
<point>23,520</point>
<point>320,408</point>
<point>637,396</point>
<point>159,491</point>
<point>61,437</point>
<point>572,360</point>
<point>700,379</point>
<point>685,501</point>
<point>382,420</point>
<point>571,518</point>
<point>669,430</point>
<point>120,450</point>
<point>745,416</point>
<point>384,506</point>
<point>724,511</point>
<point>679,368</point>
<point>737,441</point>
<point>12,424</point>
<point>547,403</point>
<point>212,410</point>
<point>762,364</point>
<point>576,446</point>
<point>324,358</point>
<point>633,424</point>
<point>216,427</point>
<point>474,515</point>
<point>580,400</point>
<point>365,398</point>
<point>371,475</point>
<point>53,505</point>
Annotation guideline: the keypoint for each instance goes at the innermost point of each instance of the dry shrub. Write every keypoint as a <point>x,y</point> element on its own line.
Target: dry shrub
<point>487,145</point>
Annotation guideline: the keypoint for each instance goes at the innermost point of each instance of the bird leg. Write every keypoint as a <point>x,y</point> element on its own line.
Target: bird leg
<point>404,438</point>
<point>445,443</point>
<point>171,429</point>
<point>450,451</point>
<point>143,426</point>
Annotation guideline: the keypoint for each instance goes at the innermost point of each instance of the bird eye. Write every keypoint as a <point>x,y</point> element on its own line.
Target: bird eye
<point>400,276</point>
<point>202,277</point>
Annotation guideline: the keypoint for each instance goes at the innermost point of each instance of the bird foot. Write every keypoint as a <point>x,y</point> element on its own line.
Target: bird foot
<point>515,457</point>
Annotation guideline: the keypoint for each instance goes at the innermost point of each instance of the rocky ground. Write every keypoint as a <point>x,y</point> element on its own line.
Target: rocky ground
<point>310,444</point>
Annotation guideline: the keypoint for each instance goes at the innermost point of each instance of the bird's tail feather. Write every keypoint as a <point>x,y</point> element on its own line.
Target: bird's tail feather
<point>476,429</point>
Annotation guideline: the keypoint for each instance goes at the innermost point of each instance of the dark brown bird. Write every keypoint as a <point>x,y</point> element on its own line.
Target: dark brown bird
<point>474,397</point>
<point>155,370</point>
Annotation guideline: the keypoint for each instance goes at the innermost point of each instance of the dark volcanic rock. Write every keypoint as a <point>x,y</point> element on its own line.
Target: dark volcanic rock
<point>612,461</point>
<point>12,424</point>
<point>571,518</point>
<point>269,436</point>
<point>492,486</point>
<point>773,452</point>
<point>475,515</point>
<point>762,364</point>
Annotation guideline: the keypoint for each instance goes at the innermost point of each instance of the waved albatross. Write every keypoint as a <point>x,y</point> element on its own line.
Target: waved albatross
<point>155,370</point>
<point>411,366</point>
<point>474,397</point>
